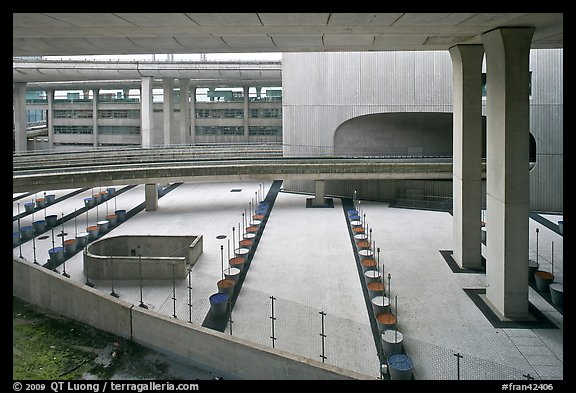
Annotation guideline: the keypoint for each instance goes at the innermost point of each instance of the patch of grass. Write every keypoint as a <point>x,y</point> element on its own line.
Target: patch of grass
<point>48,346</point>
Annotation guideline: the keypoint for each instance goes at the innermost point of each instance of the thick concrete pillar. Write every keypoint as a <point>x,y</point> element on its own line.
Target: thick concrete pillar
<point>246,114</point>
<point>146,111</point>
<point>192,115</point>
<point>50,118</point>
<point>507,179</point>
<point>95,99</point>
<point>168,109</point>
<point>151,197</point>
<point>467,154</point>
<point>20,119</point>
<point>319,193</point>
<point>184,111</point>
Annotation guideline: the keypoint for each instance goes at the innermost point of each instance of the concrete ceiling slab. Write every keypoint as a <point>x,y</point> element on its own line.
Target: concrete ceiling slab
<point>83,33</point>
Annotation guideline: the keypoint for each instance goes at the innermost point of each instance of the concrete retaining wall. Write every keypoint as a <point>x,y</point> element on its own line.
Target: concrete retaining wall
<point>163,257</point>
<point>43,287</point>
<point>192,344</point>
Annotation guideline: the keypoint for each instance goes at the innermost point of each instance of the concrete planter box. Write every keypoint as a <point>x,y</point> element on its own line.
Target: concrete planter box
<point>121,257</point>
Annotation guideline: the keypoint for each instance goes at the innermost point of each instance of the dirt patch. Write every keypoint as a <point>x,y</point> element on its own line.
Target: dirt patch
<point>49,346</point>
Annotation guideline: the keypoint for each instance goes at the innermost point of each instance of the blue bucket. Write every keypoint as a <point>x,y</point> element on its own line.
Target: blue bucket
<point>218,303</point>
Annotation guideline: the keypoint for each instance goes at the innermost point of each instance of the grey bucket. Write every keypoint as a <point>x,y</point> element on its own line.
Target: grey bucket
<point>50,198</point>
<point>561,227</point>
<point>543,280</point>
<point>232,273</point>
<point>532,268</point>
<point>29,207</point>
<point>557,294</point>
<point>56,255</point>
<point>392,341</point>
<point>51,220</point>
<point>82,239</point>
<point>39,226</point>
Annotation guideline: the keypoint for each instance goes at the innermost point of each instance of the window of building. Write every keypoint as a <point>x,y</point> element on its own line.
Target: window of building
<point>219,130</point>
<point>73,129</point>
<point>266,130</point>
<point>119,114</point>
<point>119,130</point>
<point>72,114</point>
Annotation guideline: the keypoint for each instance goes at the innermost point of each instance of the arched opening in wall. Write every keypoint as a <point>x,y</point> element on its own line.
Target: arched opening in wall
<point>422,135</point>
<point>404,134</point>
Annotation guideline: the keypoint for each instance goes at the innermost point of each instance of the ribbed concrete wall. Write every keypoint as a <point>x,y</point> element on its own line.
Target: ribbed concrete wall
<point>190,343</point>
<point>321,91</point>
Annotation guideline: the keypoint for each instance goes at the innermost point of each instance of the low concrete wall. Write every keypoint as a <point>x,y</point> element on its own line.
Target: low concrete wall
<point>45,288</point>
<point>236,357</point>
<point>192,344</point>
<point>162,257</point>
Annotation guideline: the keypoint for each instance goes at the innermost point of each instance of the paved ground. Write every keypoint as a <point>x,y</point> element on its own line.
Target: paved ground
<point>306,261</point>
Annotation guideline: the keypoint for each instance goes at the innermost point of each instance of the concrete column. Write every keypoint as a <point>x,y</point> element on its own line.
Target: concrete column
<point>20,119</point>
<point>168,109</point>
<point>50,118</point>
<point>184,111</point>
<point>320,193</point>
<point>507,180</point>
<point>151,197</point>
<point>192,115</point>
<point>246,115</point>
<point>467,154</point>
<point>95,99</point>
<point>146,111</point>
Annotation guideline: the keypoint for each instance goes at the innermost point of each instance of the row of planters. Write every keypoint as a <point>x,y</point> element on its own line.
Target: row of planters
<point>93,232</point>
<point>221,301</point>
<point>399,365</point>
<point>27,232</point>
<point>545,283</point>
<point>57,255</point>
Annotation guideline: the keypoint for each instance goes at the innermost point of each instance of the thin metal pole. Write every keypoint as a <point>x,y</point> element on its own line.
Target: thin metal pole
<point>222,261</point>
<point>389,288</point>
<point>552,259</point>
<point>537,231</point>
<point>19,231</point>
<point>34,248</point>
<point>233,239</point>
<point>140,268</point>
<point>273,318</point>
<point>190,294</point>
<point>230,321</point>
<point>75,224</point>
<point>174,291</point>
<point>87,279</point>
<point>458,357</point>
<point>322,313</point>
<point>112,293</point>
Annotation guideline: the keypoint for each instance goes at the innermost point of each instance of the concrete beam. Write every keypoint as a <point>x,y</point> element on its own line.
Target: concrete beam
<point>507,187</point>
<point>20,120</point>
<point>467,153</point>
<point>146,112</point>
<point>151,196</point>
<point>226,171</point>
<point>168,109</point>
<point>319,193</point>
<point>184,111</point>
